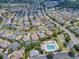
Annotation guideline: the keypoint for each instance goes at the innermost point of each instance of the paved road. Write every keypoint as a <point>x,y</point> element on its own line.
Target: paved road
<point>72,36</point>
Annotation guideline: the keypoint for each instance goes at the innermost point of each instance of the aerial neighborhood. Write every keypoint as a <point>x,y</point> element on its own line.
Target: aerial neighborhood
<point>42,29</point>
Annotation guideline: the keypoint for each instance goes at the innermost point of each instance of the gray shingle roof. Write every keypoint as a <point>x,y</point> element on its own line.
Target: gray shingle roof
<point>61,55</point>
<point>14,45</point>
<point>39,57</point>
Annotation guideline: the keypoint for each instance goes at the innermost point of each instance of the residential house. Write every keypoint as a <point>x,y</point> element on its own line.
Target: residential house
<point>34,37</point>
<point>41,34</point>
<point>4,44</point>
<point>14,46</point>
<point>34,53</point>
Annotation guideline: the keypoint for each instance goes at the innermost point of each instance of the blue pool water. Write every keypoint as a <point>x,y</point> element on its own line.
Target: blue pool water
<point>50,47</point>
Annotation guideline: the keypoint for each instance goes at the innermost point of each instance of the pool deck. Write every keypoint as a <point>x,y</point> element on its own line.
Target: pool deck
<point>49,46</point>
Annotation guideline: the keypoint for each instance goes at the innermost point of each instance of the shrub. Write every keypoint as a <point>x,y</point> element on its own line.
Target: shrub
<point>76,47</point>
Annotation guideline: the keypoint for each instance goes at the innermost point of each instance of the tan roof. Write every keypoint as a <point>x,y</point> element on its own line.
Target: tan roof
<point>34,36</point>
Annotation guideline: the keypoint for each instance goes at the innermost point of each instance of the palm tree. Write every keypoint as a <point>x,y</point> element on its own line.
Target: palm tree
<point>72,52</point>
<point>50,55</point>
<point>1,20</point>
<point>26,53</point>
<point>1,57</point>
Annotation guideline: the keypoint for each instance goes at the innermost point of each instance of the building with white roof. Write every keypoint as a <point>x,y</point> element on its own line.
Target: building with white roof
<point>34,53</point>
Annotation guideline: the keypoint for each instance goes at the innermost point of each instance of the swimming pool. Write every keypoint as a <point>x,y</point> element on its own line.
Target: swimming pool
<point>49,47</point>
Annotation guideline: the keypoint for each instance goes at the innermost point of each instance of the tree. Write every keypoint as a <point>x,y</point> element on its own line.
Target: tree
<point>72,52</point>
<point>54,34</point>
<point>76,47</point>
<point>26,53</point>
<point>1,20</point>
<point>1,57</point>
<point>50,55</point>
<point>65,45</point>
<point>0,6</point>
<point>78,24</point>
<point>67,38</point>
